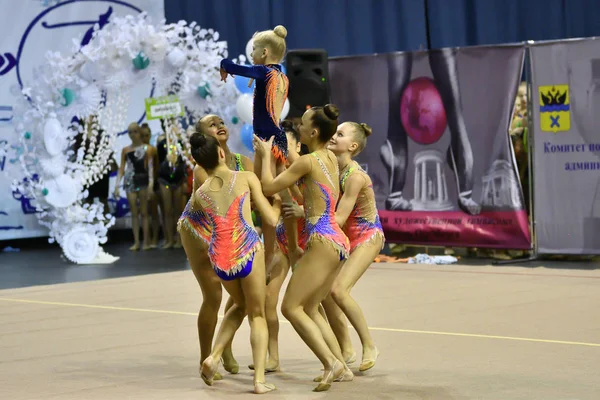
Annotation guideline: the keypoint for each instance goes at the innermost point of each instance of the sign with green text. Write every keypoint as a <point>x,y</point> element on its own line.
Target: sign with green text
<point>163,107</point>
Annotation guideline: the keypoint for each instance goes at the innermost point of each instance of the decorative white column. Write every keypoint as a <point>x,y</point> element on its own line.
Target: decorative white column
<point>431,192</point>
<point>423,194</point>
<point>440,190</point>
<point>417,182</point>
<point>445,186</point>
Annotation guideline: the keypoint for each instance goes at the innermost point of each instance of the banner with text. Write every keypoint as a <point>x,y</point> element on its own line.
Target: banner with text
<point>440,156</point>
<point>566,143</point>
<point>28,30</point>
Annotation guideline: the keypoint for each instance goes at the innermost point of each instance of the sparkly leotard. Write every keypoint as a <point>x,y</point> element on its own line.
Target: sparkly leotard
<point>195,221</point>
<point>320,189</point>
<point>363,223</point>
<point>136,175</point>
<point>169,175</point>
<point>269,80</point>
<point>233,239</point>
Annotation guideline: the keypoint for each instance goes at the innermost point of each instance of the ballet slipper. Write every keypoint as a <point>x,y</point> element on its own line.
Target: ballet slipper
<point>146,248</point>
<point>263,387</point>
<point>347,376</point>
<point>233,368</point>
<point>208,370</point>
<point>177,246</point>
<point>351,359</point>
<point>368,363</point>
<point>217,377</point>
<point>167,245</point>
<point>331,376</point>
<point>267,368</point>
<point>135,247</point>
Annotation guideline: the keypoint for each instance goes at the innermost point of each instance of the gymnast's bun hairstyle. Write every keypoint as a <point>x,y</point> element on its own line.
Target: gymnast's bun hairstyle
<point>360,132</point>
<point>366,128</point>
<point>205,150</point>
<point>280,31</point>
<point>273,40</point>
<point>288,127</point>
<point>325,119</point>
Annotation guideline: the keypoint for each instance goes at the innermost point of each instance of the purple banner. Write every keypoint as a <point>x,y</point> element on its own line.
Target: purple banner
<point>440,156</point>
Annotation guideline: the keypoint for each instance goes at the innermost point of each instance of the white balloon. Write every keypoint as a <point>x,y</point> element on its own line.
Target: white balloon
<point>54,139</point>
<point>244,107</point>
<point>176,57</point>
<point>249,50</point>
<point>285,110</point>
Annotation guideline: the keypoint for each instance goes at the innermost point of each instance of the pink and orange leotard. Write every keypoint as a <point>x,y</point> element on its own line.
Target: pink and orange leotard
<point>363,224</point>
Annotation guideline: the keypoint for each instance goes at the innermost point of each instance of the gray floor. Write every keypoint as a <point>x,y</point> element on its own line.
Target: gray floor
<point>453,332</point>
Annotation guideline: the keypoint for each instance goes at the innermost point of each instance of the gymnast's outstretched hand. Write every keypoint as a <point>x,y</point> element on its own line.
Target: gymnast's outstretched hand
<point>223,75</point>
<point>262,148</point>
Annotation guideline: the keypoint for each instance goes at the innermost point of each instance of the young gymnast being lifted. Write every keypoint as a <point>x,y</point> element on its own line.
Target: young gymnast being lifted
<point>270,94</point>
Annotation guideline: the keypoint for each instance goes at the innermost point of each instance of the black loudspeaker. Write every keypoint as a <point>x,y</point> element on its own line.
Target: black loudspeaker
<point>308,74</point>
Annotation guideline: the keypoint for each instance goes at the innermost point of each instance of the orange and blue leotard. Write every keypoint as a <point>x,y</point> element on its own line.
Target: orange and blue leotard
<point>363,224</point>
<point>264,121</point>
<point>321,225</point>
<point>233,241</point>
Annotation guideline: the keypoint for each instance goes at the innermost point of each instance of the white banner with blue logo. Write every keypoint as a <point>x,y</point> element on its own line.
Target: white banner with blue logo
<point>28,30</point>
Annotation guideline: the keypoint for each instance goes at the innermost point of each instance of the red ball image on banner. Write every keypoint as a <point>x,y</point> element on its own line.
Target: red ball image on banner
<point>422,111</point>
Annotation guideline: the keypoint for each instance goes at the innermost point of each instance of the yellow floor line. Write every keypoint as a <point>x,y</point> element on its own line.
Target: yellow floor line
<point>147,310</point>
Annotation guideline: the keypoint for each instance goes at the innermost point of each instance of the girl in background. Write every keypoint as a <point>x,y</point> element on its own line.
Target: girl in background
<point>171,178</point>
<point>137,169</point>
<point>146,135</point>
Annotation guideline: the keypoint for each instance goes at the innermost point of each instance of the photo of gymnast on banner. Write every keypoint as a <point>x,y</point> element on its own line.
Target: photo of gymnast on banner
<point>440,156</point>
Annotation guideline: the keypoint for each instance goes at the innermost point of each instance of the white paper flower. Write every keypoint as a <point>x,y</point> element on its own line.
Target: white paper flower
<point>176,58</point>
<point>54,138</point>
<point>62,191</point>
<point>53,167</point>
<point>80,245</point>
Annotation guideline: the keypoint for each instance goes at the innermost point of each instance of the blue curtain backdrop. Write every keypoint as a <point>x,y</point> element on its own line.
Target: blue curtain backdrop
<point>342,27</point>
<point>350,27</point>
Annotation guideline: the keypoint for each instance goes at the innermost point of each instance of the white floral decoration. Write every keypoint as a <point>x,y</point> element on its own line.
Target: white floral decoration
<point>93,83</point>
